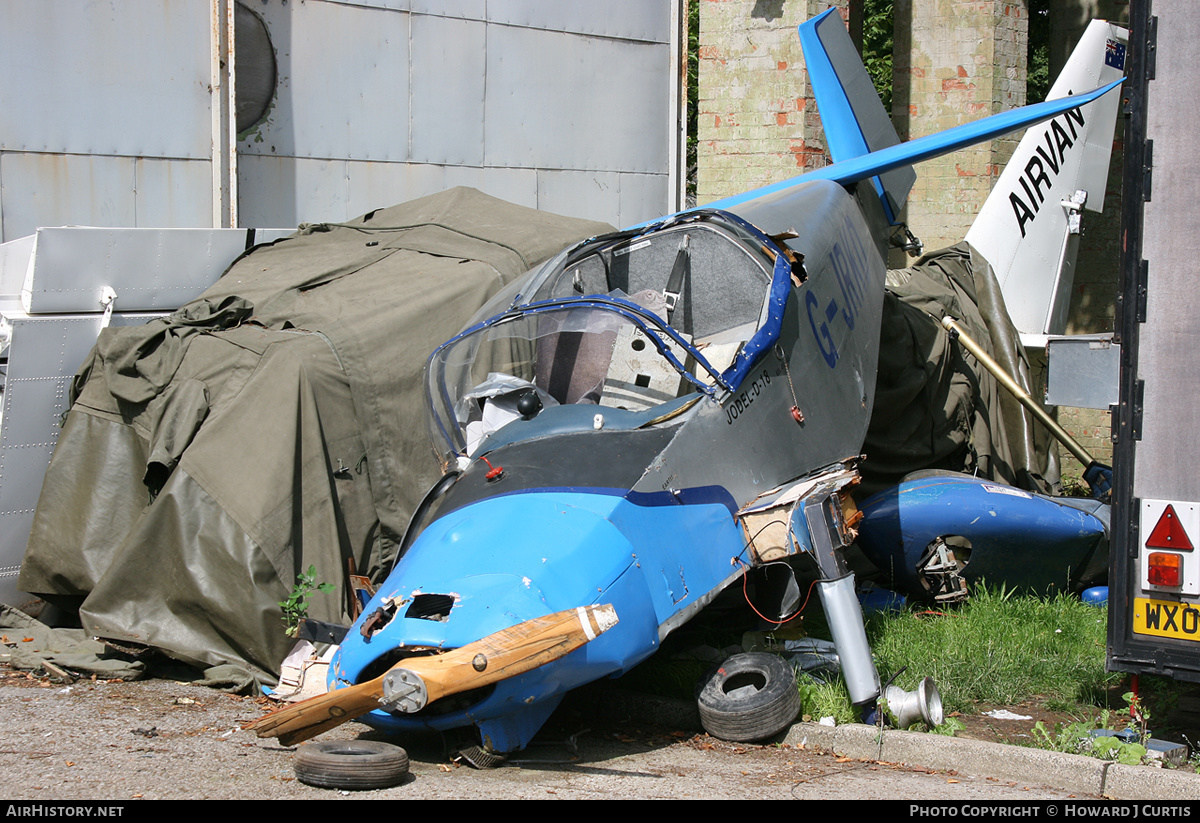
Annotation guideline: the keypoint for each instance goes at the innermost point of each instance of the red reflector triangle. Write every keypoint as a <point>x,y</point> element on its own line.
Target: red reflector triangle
<point>1168,533</point>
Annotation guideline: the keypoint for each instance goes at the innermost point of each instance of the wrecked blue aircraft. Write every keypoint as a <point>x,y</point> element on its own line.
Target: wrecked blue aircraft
<point>647,416</point>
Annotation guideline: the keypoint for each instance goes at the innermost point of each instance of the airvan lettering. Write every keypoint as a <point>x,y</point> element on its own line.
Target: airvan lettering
<point>1075,115</point>
<point>1028,193</point>
<point>1023,212</point>
<point>1041,169</point>
<point>1038,178</point>
<point>1061,141</point>
<point>1052,159</point>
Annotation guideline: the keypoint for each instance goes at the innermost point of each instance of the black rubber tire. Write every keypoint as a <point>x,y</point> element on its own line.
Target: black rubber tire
<point>350,764</point>
<point>749,697</point>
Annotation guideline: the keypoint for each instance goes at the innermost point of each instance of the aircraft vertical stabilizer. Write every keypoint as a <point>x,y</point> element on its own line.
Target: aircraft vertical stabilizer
<point>1028,229</point>
<point>852,115</point>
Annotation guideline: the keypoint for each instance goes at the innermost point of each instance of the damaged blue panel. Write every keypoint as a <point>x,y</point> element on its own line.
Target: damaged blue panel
<point>512,558</point>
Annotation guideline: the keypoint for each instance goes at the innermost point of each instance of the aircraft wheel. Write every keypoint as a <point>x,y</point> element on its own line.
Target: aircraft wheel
<point>350,764</point>
<point>749,697</point>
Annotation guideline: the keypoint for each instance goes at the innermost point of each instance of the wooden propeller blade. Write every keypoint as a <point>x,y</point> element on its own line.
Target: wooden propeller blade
<point>507,653</point>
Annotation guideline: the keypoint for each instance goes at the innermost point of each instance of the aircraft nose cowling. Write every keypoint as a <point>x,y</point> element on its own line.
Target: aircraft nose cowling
<point>556,550</point>
<point>496,563</point>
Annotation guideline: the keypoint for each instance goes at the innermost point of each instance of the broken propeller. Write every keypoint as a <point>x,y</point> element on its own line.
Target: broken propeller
<point>415,682</point>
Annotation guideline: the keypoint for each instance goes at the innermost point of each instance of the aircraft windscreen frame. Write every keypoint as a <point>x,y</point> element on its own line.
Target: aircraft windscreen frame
<point>556,335</point>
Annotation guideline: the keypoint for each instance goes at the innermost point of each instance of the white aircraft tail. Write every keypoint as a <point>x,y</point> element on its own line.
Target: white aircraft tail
<point>1028,229</point>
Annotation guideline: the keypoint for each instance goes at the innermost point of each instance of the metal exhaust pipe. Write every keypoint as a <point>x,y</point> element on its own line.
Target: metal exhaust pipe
<point>844,614</point>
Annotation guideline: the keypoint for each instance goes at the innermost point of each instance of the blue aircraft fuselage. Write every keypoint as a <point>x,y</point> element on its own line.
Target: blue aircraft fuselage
<point>608,419</point>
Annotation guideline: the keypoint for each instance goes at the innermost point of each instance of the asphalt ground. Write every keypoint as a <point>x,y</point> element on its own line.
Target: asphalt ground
<point>159,739</point>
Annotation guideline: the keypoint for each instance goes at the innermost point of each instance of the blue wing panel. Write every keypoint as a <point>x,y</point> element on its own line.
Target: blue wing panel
<point>924,148</point>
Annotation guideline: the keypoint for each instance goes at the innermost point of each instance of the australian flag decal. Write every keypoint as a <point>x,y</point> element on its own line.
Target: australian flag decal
<point>1114,55</point>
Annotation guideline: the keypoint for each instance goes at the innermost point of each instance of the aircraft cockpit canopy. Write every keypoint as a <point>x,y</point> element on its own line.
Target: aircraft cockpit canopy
<point>619,331</point>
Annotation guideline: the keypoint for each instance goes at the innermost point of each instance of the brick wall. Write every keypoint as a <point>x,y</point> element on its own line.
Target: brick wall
<point>757,122</point>
<point>1092,428</point>
<point>956,61</point>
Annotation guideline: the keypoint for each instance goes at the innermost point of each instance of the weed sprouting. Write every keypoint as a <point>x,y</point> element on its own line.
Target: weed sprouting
<point>295,608</point>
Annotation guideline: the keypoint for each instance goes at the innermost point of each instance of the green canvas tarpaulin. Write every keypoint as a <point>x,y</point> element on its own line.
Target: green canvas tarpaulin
<point>276,422</point>
<point>935,406</point>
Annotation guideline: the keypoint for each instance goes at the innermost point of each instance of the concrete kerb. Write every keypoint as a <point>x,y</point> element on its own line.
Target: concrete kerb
<point>1144,783</point>
<point>1069,772</point>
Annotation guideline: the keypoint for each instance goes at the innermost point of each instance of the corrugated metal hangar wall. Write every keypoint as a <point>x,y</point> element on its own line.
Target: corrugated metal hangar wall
<point>119,114</point>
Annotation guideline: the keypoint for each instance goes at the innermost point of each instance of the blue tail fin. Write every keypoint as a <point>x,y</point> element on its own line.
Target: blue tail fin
<point>854,119</point>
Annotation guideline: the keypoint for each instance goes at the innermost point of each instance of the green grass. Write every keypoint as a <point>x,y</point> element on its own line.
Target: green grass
<point>999,648</point>
<point>819,700</point>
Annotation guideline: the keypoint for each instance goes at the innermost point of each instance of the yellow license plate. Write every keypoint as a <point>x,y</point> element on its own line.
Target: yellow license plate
<point>1164,618</point>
